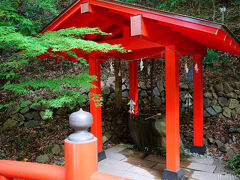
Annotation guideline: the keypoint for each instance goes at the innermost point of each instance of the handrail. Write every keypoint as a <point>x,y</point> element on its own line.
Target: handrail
<point>31,171</point>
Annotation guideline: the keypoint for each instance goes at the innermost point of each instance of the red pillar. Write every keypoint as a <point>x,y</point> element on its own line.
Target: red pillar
<point>172,109</point>
<point>198,146</point>
<point>96,129</point>
<point>173,170</point>
<point>133,84</point>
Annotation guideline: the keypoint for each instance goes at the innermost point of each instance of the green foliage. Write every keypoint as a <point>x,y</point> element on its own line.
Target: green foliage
<point>169,4</point>
<point>18,22</point>
<point>213,56</point>
<point>130,146</point>
<point>235,163</point>
<point>27,16</point>
<point>48,114</point>
<point>2,155</point>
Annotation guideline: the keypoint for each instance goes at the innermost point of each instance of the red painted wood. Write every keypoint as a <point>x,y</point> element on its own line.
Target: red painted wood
<point>133,84</point>
<point>153,25</point>
<point>197,101</point>
<point>109,16</point>
<point>136,25</point>
<point>172,109</point>
<point>96,129</point>
<point>85,7</point>
<point>170,21</point>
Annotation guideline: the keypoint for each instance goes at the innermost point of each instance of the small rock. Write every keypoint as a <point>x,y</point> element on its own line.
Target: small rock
<point>44,107</point>
<point>206,102</point>
<point>35,107</point>
<point>18,117</point>
<point>233,103</point>
<point>156,92</point>
<point>124,87</point>
<point>215,95</point>
<point>36,116</point>
<point>211,140</point>
<point>182,95</point>
<point>227,112</point>
<point>61,111</point>
<point>214,102</point>
<point>112,95</point>
<point>220,115</point>
<point>207,95</point>
<point>157,101</point>
<point>230,153</point>
<point>106,90</point>
<point>205,142</point>
<point>24,110</point>
<point>205,114</point>
<point>237,85</point>
<point>143,94</point>
<point>218,109</point>
<point>145,101</point>
<point>233,113</point>
<point>43,158</point>
<point>142,85</point>
<point>211,111</point>
<point>104,139</point>
<point>110,81</point>
<point>160,86</point>
<point>183,86</point>
<point>222,101</point>
<point>219,87</point>
<point>227,88</point>
<point>220,146</point>
<point>42,114</point>
<point>163,100</point>
<point>12,110</point>
<point>28,116</point>
<point>56,149</point>
<point>232,95</point>
<point>31,123</point>
<point>10,123</point>
<point>125,94</point>
<point>148,85</point>
<point>237,109</point>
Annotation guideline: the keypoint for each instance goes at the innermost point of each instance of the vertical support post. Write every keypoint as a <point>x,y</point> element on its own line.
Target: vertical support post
<point>173,170</point>
<point>80,148</point>
<point>133,85</point>
<point>198,146</point>
<point>96,128</point>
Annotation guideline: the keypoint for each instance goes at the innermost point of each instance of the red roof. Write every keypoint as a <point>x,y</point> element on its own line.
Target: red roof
<point>159,28</point>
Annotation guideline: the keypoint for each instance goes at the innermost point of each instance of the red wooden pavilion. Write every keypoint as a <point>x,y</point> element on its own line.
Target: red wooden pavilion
<point>147,32</point>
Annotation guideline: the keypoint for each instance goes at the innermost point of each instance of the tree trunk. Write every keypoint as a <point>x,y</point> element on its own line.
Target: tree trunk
<point>151,80</point>
<point>118,85</point>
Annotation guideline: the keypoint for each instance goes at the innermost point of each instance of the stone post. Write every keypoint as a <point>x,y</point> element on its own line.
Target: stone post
<point>81,148</point>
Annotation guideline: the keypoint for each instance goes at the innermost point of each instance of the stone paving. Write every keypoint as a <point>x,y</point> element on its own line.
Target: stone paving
<point>127,163</point>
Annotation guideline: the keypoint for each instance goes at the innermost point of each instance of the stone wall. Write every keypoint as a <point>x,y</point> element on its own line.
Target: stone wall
<point>220,100</point>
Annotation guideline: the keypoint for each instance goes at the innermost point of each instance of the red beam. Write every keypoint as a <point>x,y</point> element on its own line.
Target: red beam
<point>164,20</point>
<point>106,15</point>
<point>134,43</point>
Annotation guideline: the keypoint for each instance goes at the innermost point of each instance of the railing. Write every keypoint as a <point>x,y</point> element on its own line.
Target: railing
<point>81,161</point>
